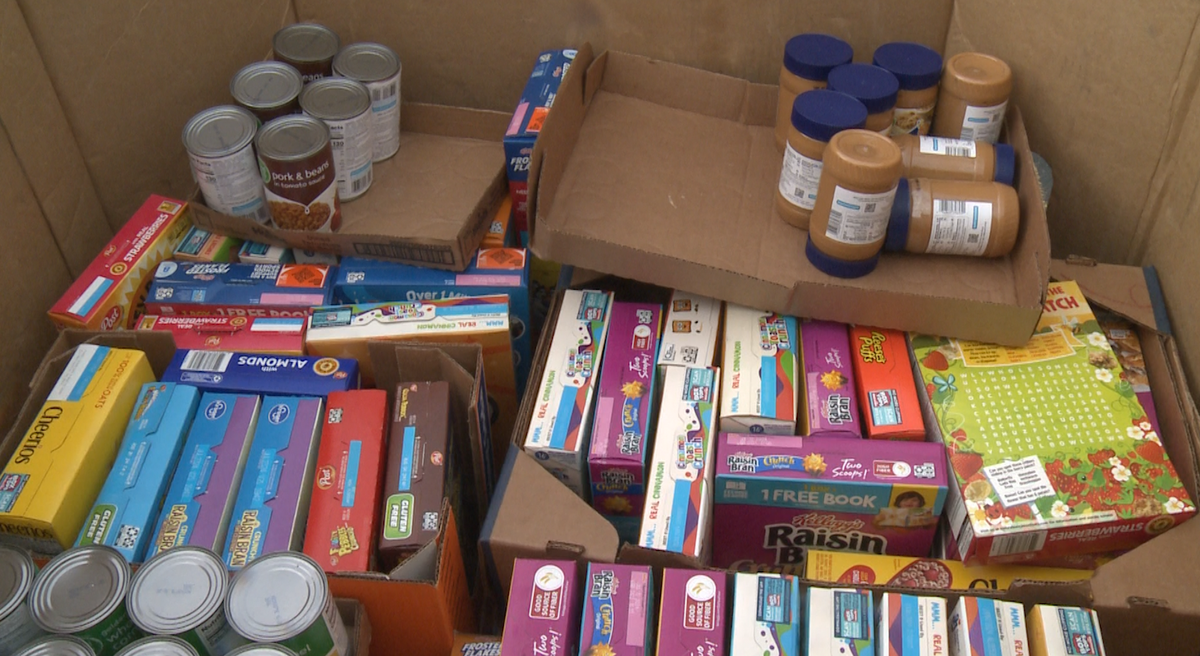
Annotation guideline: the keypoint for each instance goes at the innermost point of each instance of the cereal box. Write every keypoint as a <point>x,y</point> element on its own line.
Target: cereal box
<point>497,235</point>
<point>913,626</point>
<point>238,290</point>
<point>758,394</point>
<point>617,610</point>
<point>777,496</point>
<point>343,511</point>
<point>679,498</point>
<point>830,398</point>
<point>253,252</point>
<point>690,332</point>
<point>543,609</point>
<point>839,622</point>
<point>767,615</point>
<point>1052,453</point>
<point>129,503</point>
<point>924,573</point>
<point>624,412</point>
<point>1015,627</point>
<point>883,372</point>
<point>468,644</point>
<point>1064,631</point>
<point>60,464</point>
<point>107,294</point>
<point>199,502</point>
<point>200,245</point>
<point>1123,338</point>
<point>980,627</point>
<point>256,373</point>
<point>280,336</point>
<point>272,500</point>
<point>562,414</point>
<point>691,620</point>
<point>314,257</point>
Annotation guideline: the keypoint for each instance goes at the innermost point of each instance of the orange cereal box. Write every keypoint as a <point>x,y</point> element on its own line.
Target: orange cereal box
<point>886,391</point>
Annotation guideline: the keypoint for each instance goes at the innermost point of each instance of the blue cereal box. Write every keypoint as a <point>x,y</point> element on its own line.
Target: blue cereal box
<point>981,627</point>
<point>839,622</point>
<point>248,290</point>
<point>272,501</point>
<point>913,626</point>
<point>256,373</point>
<point>129,503</point>
<point>767,615</point>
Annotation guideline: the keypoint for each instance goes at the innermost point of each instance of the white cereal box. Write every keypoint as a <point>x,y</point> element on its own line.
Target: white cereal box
<point>690,333</point>
<point>759,393</point>
<point>839,622</point>
<point>984,627</point>
<point>767,615</point>
<point>1065,631</point>
<point>912,626</point>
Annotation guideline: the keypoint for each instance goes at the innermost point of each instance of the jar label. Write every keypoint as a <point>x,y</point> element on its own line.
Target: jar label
<point>858,218</point>
<point>912,120</point>
<point>983,123</point>
<point>959,227</point>
<point>231,184</point>
<point>799,178</point>
<point>950,147</point>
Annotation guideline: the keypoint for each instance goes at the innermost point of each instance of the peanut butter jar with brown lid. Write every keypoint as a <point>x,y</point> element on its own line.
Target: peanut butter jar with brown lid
<point>973,97</point>
<point>954,217</point>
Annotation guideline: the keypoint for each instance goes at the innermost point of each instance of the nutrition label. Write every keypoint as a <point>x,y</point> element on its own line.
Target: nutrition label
<point>856,218</point>
<point>983,123</point>
<point>959,227</point>
<point>798,182</point>
<point>232,185</point>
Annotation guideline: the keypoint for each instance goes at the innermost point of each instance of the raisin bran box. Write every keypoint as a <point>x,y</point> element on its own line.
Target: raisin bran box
<point>239,290</point>
<point>691,619</point>
<point>913,626</point>
<point>618,603</point>
<point>839,622</point>
<point>759,393</point>
<point>830,399</point>
<point>690,331</point>
<point>1064,631</point>
<point>280,336</point>
<point>886,390</point>
<point>255,373</point>
<point>543,609</point>
<point>768,617</point>
<point>777,496</point>
<point>853,568</point>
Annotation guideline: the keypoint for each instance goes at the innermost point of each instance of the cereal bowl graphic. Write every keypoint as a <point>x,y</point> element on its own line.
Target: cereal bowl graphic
<point>396,313</point>
<point>767,638</point>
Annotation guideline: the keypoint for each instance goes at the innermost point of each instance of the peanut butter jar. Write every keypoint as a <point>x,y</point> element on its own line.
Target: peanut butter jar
<point>807,60</point>
<point>816,116</point>
<point>917,68</point>
<point>872,86</point>
<point>956,159</point>
<point>953,217</point>
<point>973,97</point>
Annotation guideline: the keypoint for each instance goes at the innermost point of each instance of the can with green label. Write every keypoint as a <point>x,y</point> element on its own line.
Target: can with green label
<point>158,646</point>
<point>261,650</point>
<point>56,645</point>
<point>180,593</point>
<point>283,598</point>
<point>17,572</point>
<point>81,592</point>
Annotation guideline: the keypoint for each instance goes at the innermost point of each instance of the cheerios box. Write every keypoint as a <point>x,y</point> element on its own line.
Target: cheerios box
<point>562,414</point>
<point>983,627</point>
<point>276,335</point>
<point>768,617</point>
<point>200,245</point>
<point>1065,631</point>
<point>690,331</point>
<point>106,295</point>
<point>830,398</point>
<point>855,568</point>
<point>759,392</point>
<point>257,373</point>
<point>618,603</point>
<point>839,621</point>
<point>248,290</point>
<point>543,609</point>
<point>691,619</point>
<point>913,626</point>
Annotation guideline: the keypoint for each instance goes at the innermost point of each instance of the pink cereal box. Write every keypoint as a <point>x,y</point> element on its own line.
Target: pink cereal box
<point>617,602</point>
<point>691,619</point>
<point>830,402</point>
<point>543,609</point>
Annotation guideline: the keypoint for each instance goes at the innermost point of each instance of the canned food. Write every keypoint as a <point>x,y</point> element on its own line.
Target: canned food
<point>220,148</point>
<point>181,593</point>
<point>345,106</point>
<point>158,646</point>
<point>17,572</point>
<point>262,650</point>
<point>268,89</point>
<point>296,159</point>
<point>308,47</point>
<point>284,598</point>
<point>56,645</point>
<point>378,68</point>
<point>81,592</point>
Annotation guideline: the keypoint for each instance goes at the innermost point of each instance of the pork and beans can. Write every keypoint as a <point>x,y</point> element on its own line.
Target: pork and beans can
<point>269,89</point>
<point>56,645</point>
<point>345,106</point>
<point>17,572</point>
<point>158,646</point>
<point>181,593</point>
<point>308,47</point>
<point>81,592</point>
<point>283,598</point>
<point>220,146</point>
<point>295,158</point>
<point>377,67</point>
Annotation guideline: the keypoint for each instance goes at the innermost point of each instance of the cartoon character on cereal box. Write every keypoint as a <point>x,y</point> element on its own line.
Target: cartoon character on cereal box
<point>692,441</point>
<point>396,313</point>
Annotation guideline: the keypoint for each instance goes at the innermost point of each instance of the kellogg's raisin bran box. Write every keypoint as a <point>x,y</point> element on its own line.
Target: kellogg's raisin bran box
<point>617,610</point>
<point>543,609</point>
<point>691,619</point>
<point>830,398</point>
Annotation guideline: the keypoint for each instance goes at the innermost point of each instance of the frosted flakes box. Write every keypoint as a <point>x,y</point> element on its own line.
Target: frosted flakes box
<point>924,573</point>
<point>617,610</point>
<point>690,331</point>
<point>468,644</point>
<point>256,373</point>
<point>1064,631</point>
<point>768,617</point>
<point>830,400</point>
<point>777,496</point>
<point>839,622</point>
<point>245,290</point>
<point>200,245</point>
<point>982,627</point>
<point>913,626</point>
<point>543,609</point>
<point>691,620</point>
<point>758,392</point>
<point>281,336</point>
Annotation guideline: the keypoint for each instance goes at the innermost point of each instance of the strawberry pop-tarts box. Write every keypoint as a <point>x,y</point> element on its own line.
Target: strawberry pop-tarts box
<point>839,621</point>
<point>767,615</point>
<point>913,626</point>
<point>758,393</point>
<point>617,610</point>
<point>690,331</point>
<point>624,411</point>
<point>691,619</point>
<point>257,373</point>
<point>830,400</point>
<point>543,609</point>
<point>278,335</point>
<point>240,290</point>
<point>883,372</point>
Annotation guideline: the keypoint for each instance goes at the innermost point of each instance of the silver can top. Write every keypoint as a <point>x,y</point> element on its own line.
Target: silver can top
<point>158,646</point>
<point>177,590</point>
<point>335,99</point>
<point>219,131</point>
<point>78,589</point>
<point>306,42</point>
<point>266,85</point>
<point>366,62</point>
<point>290,138</point>
<point>277,597</point>
<point>261,650</point>
<point>16,578</point>
<point>56,645</point>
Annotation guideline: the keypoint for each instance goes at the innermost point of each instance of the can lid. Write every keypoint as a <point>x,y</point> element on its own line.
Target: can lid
<point>261,650</point>
<point>820,114</point>
<point>306,42</point>
<point>897,232</point>
<point>266,84</point>
<point>56,645</point>
<point>16,578</point>
<point>292,137</point>
<point>276,597</point>
<point>366,62</point>
<point>78,589</point>
<point>873,86</point>
<point>177,590</point>
<point>914,65</point>
<point>158,646</point>
<point>219,131</point>
<point>836,266</point>
<point>1006,164</point>
<point>812,56</point>
<point>335,99</point>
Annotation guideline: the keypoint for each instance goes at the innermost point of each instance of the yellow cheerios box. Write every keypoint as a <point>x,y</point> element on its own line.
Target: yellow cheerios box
<point>902,571</point>
<point>49,484</point>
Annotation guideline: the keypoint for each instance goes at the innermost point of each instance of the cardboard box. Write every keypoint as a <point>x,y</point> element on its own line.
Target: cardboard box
<point>107,294</point>
<point>768,617</point>
<point>200,245</point>
<point>1059,631</point>
<point>886,391</point>
<point>280,336</point>
<point>692,613</point>
<point>253,252</point>
<point>758,392</point>
<point>839,621</point>
<point>901,572</point>
<point>253,373</point>
<point>912,626</point>
<point>618,610</point>
<point>690,332</point>
<point>830,398</point>
<point>543,609</point>
<point>358,626</point>
<point>240,290</point>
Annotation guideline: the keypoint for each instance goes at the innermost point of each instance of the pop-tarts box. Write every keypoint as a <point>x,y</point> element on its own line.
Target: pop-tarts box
<point>982,627</point>
<point>767,615</point>
<point>543,609</point>
<point>203,489</point>
<point>532,110</point>
<point>830,399</point>
<point>562,414</point>
<point>272,500</point>
<point>256,373</point>
<point>246,290</point>
<point>129,503</point>
<point>691,619</point>
<point>1064,631</point>
<point>910,625</point>
<point>278,335</point>
<point>491,271</point>
<point>758,392</point>
<point>624,415</point>
<point>838,622</point>
<point>618,602</point>
<point>690,331</point>
<point>679,494</point>
<point>106,295</point>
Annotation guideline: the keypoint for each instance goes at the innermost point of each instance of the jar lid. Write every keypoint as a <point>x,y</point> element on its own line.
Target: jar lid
<point>982,78</point>
<point>873,86</point>
<point>897,232</point>
<point>820,114</point>
<point>812,56</point>
<point>1006,164</point>
<point>838,267</point>
<point>914,65</point>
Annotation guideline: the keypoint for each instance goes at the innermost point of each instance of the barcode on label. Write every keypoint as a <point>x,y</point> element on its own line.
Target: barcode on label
<point>383,93</point>
<point>1007,545</point>
<point>951,206</point>
<point>968,134</point>
<point>409,253</point>
<point>361,183</point>
<point>869,207</point>
<point>973,238</point>
<point>206,361</point>
<point>835,222</point>
<point>959,151</point>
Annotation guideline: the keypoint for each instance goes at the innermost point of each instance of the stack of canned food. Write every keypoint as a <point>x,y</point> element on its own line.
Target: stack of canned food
<point>264,159</point>
<point>182,602</point>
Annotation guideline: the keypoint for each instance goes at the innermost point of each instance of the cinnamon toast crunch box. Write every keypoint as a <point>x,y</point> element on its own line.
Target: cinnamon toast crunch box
<point>768,617</point>
<point>758,391</point>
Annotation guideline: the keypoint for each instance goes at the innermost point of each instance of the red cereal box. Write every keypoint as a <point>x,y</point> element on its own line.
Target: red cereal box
<point>213,332</point>
<point>887,393</point>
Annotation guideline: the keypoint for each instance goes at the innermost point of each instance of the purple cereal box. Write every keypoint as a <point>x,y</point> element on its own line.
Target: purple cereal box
<point>691,619</point>
<point>776,496</point>
<point>543,609</point>
<point>617,603</point>
<point>829,397</point>
<point>621,430</point>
